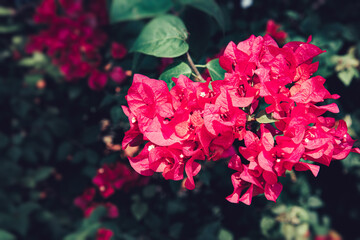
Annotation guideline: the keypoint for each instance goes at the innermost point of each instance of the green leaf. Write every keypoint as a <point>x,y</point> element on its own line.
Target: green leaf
<point>85,233</point>
<point>117,114</point>
<point>164,36</point>
<point>266,224</point>
<point>175,230</point>
<point>4,235</point>
<point>9,28</point>
<point>225,235</point>
<point>123,10</point>
<point>346,76</point>
<point>278,209</point>
<point>263,117</point>
<point>6,12</point>
<point>4,140</point>
<point>91,156</point>
<point>175,70</point>
<point>42,173</point>
<point>208,6</point>
<point>346,66</point>
<point>78,157</point>
<point>63,151</point>
<point>89,226</point>
<point>37,60</point>
<point>215,70</point>
<point>32,79</point>
<point>315,202</point>
<point>209,231</point>
<point>149,191</point>
<point>139,210</point>
<point>107,100</point>
<point>95,216</point>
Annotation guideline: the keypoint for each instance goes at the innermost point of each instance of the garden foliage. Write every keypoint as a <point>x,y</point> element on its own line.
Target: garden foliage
<point>225,99</point>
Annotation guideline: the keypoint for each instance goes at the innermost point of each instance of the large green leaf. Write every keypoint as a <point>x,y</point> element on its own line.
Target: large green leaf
<point>164,36</point>
<point>6,11</point>
<point>225,235</point>
<point>4,235</point>
<point>175,70</point>
<point>208,6</point>
<point>123,10</point>
<point>215,70</point>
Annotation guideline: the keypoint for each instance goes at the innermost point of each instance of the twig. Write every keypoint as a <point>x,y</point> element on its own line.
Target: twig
<point>198,78</point>
<point>293,176</point>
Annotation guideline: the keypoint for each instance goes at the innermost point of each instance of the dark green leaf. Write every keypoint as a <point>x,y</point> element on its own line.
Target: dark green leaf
<point>15,153</point>
<point>91,134</point>
<point>63,151</point>
<point>139,209</point>
<point>175,70</point>
<point>123,10</point>
<point>85,233</point>
<point>42,173</point>
<point>209,231</point>
<point>4,235</point>
<point>89,226</point>
<point>32,79</point>
<point>175,229</point>
<point>164,36</point>
<point>91,156</point>
<point>149,191</point>
<point>78,157</point>
<point>9,28</point>
<point>4,140</point>
<point>117,114</point>
<point>208,6</point>
<point>175,207</point>
<point>215,70</point>
<point>108,99</point>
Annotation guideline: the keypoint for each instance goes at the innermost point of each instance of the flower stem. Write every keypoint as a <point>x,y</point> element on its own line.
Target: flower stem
<point>198,78</point>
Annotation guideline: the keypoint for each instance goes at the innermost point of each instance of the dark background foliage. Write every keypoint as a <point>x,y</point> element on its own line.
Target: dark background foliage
<point>51,139</point>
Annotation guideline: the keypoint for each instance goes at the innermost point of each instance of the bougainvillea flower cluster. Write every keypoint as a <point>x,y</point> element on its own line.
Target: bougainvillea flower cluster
<point>109,177</point>
<point>273,29</point>
<point>104,234</point>
<point>86,203</point>
<point>73,37</point>
<point>270,103</point>
<point>116,176</point>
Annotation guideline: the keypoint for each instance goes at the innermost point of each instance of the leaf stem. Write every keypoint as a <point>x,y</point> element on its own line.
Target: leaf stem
<point>200,66</point>
<point>198,78</point>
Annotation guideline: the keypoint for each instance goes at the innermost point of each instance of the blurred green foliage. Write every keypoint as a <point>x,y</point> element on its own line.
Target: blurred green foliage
<point>51,138</point>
